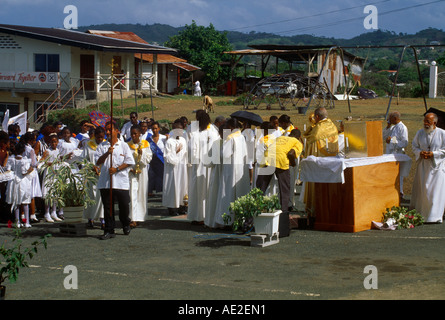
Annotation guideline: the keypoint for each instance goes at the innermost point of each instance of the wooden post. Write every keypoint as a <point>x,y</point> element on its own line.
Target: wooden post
<point>112,65</point>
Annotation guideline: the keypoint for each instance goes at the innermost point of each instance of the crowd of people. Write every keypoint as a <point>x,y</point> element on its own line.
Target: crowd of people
<point>199,167</point>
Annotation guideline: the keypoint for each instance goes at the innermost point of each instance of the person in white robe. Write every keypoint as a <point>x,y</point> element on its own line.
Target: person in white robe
<point>96,211</point>
<point>235,178</point>
<point>395,136</point>
<point>200,144</point>
<point>428,190</point>
<point>175,169</point>
<point>215,177</point>
<point>249,135</point>
<point>138,175</point>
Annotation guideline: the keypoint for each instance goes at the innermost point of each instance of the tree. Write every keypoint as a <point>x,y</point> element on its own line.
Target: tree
<point>203,47</point>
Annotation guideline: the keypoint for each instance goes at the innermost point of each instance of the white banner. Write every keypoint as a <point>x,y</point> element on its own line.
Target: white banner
<point>28,77</point>
<point>21,120</point>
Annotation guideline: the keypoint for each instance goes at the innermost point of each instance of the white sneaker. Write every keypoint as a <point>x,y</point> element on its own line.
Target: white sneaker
<point>27,225</point>
<point>55,217</point>
<point>18,224</point>
<point>33,218</point>
<point>48,218</point>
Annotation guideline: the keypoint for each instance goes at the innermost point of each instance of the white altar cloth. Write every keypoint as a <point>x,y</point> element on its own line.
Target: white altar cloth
<point>331,169</point>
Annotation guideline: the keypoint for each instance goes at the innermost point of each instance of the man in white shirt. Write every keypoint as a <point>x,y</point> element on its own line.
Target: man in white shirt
<point>114,171</point>
<point>396,137</point>
<point>126,128</point>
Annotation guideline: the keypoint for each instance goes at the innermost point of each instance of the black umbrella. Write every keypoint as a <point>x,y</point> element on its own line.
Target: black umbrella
<point>251,117</point>
<point>440,115</point>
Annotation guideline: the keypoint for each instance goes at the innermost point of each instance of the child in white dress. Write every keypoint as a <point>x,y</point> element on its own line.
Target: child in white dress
<point>29,139</point>
<point>18,193</point>
<point>52,153</point>
<point>68,145</point>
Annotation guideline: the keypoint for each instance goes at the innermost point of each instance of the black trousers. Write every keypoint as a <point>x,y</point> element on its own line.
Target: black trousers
<point>123,199</point>
<point>283,177</point>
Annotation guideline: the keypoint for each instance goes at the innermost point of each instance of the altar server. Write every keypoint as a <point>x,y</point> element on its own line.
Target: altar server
<point>200,143</point>
<point>139,176</point>
<point>95,211</point>
<point>396,137</point>
<point>235,178</point>
<point>428,191</point>
<point>175,169</point>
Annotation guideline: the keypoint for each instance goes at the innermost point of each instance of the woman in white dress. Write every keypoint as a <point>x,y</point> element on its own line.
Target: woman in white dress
<point>138,176</point>
<point>19,190</point>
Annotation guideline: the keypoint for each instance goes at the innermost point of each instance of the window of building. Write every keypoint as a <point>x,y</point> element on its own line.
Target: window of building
<point>46,62</point>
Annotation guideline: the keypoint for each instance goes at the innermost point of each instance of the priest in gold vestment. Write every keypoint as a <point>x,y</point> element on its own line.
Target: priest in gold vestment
<point>320,140</point>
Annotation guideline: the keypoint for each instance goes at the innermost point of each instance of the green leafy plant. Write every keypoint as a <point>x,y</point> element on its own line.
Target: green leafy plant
<point>245,208</point>
<point>69,184</point>
<point>16,257</point>
<point>402,218</point>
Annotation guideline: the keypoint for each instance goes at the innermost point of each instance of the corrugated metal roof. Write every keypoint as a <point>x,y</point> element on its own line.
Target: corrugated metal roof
<point>83,40</point>
<point>131,36</point>
<point>186,66</point>
<point>287,52</point>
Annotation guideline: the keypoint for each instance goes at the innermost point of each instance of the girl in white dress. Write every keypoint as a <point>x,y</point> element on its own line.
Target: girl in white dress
<point>29,139</point>
<point>68,145</point>
<point>52,153</point>
<point>19,192</point>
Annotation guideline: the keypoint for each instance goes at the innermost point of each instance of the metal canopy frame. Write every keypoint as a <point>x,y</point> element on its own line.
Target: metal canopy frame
<point>286,51</point>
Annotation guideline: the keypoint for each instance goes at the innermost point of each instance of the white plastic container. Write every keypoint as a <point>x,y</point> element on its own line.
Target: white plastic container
<point>267,223</point>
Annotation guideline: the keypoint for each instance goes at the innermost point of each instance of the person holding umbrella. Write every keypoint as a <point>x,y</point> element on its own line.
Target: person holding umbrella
<point>114,158</point>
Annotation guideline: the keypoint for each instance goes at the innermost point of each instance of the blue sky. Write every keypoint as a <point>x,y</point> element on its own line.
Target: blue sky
<point>339,19</point>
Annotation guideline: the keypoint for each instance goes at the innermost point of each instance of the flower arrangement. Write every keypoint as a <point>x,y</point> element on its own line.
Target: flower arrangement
<point>402,218</point>
<point>244,208</point>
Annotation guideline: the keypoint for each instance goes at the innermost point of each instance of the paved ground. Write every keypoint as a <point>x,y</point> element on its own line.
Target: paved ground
<point>170,259</point>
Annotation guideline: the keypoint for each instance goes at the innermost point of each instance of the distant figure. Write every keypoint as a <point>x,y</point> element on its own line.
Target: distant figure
<point>207,104</point>
<point>197,89</point>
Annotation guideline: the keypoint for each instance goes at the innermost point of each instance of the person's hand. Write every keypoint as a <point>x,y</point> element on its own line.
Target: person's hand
<point>110,150</point>
<point>388,140</point>
<point>426,154</point>
<point>112,171</point>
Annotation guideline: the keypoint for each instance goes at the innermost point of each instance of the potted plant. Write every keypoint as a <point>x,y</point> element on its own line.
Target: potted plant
<point>68,184</point>
<point>16,257</point>
<point>254,210</point>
